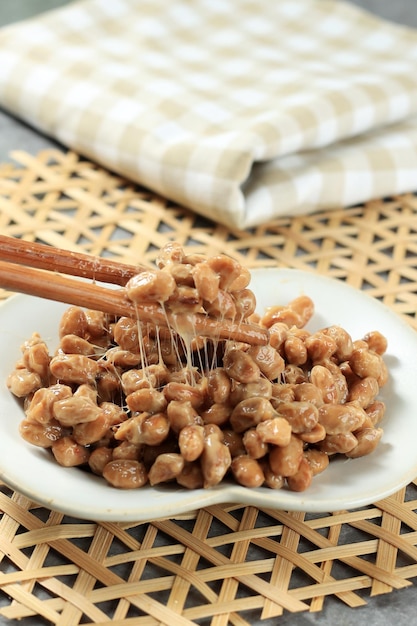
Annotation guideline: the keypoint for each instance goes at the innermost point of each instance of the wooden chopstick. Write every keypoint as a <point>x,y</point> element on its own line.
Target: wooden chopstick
<point>38,281</point>
<point>47,257</point>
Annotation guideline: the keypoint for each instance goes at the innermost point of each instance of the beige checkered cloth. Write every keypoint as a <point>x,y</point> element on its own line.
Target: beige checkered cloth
<point>243,110</point>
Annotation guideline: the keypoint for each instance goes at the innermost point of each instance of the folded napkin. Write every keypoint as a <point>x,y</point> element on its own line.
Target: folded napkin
<point>241,110</point>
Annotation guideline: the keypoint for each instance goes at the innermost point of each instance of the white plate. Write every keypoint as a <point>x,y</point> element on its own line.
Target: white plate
<point>345,484</point>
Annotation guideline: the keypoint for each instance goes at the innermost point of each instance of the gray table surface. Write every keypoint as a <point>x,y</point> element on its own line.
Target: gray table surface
<point>398,607</point>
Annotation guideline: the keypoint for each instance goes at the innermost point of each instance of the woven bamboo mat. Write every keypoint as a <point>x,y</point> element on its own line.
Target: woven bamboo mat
<point>221,565</point>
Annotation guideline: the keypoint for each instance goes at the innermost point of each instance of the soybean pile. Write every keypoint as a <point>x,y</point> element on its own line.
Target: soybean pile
<point>138,405</point>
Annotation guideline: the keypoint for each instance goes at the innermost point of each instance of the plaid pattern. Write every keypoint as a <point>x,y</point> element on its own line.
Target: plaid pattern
<point>243,110</point>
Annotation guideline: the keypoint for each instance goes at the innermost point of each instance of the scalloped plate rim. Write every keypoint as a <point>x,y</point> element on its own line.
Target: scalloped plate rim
<point>346,484</point>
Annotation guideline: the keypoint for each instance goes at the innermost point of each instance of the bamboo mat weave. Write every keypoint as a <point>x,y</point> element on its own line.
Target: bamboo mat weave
<point>221,565</point>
